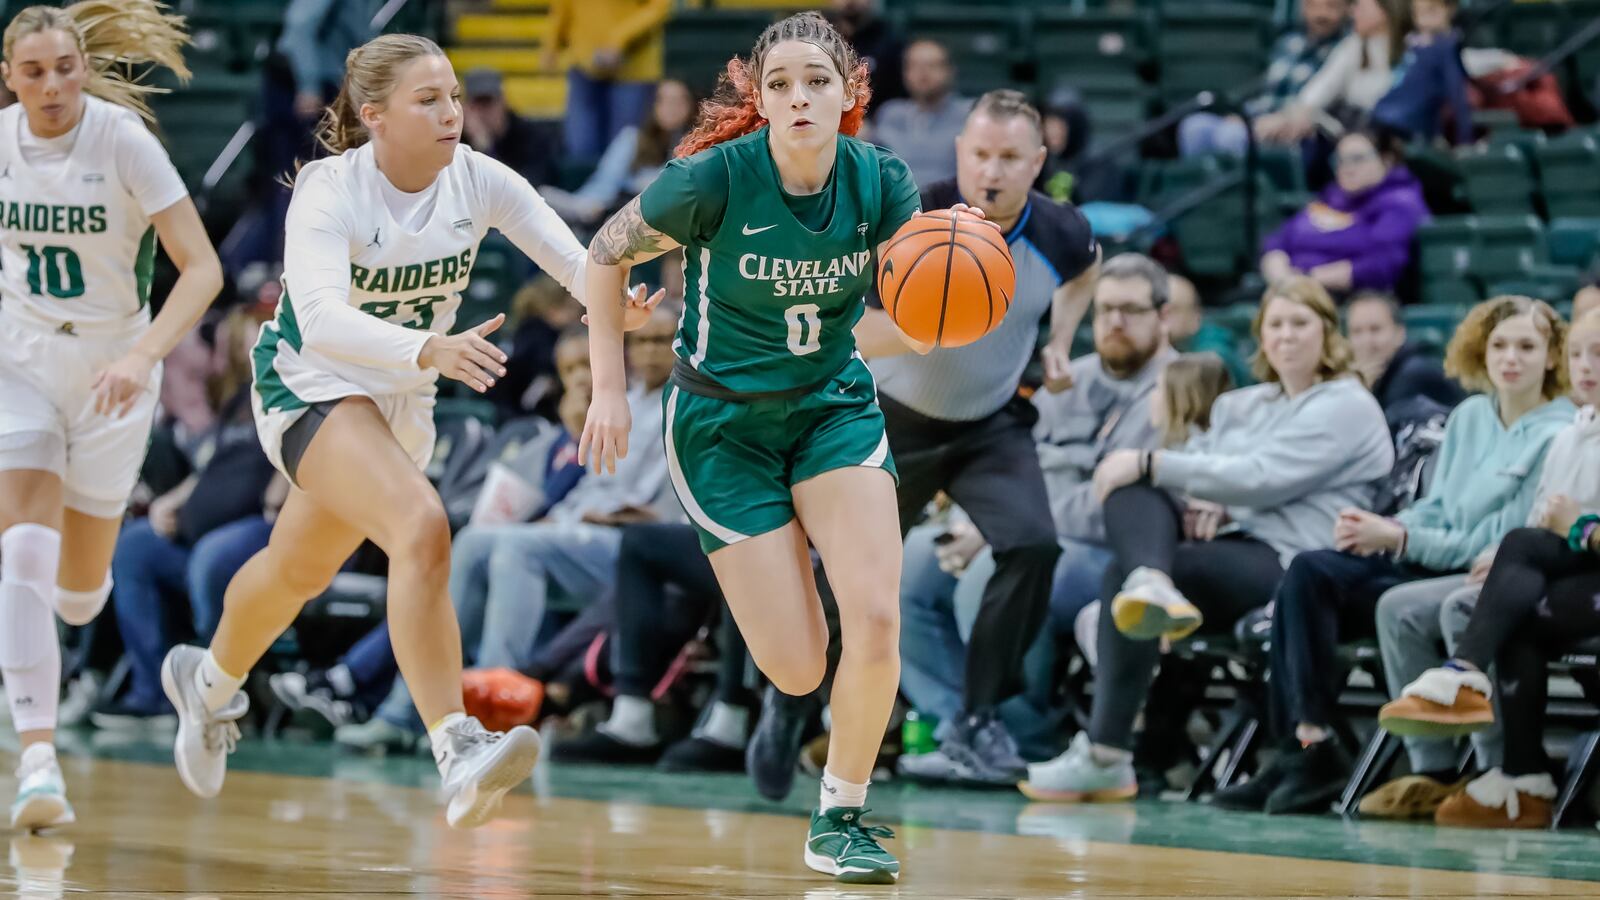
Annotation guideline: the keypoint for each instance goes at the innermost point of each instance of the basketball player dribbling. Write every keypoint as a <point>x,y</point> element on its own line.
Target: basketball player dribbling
<point>773,434</point>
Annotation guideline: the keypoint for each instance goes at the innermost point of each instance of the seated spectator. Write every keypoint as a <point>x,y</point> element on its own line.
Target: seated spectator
<point>1189,332</point>
<point>1072,173</point>
<point>1488,472</point>
<point>1535,601</point>
<point>191,541</point>
<point>1395,371</point>
<point>862,23</point>
<point>922,128</point>
<point>1429,79</point>
<point>1355,75</point>
<point>1295,58</point>
<point>1201,536</point>
<point>541,313</point>
<point>612,51</point>
<point>649,628</point>
<point>1104,410</point>
<point>1586,300</point>
<point>1359,233</point>
<point>489,126</point>
<point>632,160</point>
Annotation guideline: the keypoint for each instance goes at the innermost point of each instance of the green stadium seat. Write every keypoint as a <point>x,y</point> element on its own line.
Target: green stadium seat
<point>983,42</point>
<point>699,43</point>
<point>1444,248</point>
<point>1068,42</point>
<point>1450,291</point>
<point>1569,174</point>
<point>1430,324</point>
<point>1498,180</point>
<point>1574,242</point>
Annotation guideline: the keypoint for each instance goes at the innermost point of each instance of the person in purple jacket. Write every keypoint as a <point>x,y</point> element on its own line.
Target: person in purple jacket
<point>1357,235</point>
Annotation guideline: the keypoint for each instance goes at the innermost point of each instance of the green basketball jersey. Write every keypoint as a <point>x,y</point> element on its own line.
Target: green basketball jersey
<point>774,285</point>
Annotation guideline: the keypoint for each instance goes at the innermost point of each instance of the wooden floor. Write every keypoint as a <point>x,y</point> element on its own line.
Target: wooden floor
<point>141,835</point>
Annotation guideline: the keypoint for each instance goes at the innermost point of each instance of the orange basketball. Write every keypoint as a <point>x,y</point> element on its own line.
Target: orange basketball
<point>946,278</point>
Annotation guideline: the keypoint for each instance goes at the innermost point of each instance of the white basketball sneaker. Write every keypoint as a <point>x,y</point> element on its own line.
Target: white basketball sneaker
<point>479,767</point>
<point>205,738</point>
<point>41,794</point>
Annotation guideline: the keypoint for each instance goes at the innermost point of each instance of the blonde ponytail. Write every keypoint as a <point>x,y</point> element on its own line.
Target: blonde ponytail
<point>114,36</point>
<point>370,73</point>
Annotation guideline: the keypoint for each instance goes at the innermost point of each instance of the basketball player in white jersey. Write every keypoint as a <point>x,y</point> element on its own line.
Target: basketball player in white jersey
<point>85,190</point>
<point>380,242</point>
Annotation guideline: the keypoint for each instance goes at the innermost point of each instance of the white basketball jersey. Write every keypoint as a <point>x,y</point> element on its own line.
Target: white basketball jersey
<point>412,279</point>
<point>76,247</point>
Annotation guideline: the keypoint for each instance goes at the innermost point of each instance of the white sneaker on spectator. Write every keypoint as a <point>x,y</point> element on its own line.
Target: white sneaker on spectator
<point>205,738</point>
<point>479,767</point>
<point>376,735</point>
<point>1149,607</point>
<point>41,793</point>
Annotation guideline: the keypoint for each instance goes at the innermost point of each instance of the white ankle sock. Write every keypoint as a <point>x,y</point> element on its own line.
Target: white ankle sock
<point>439,737</point>
<point>632,721</point>
<point>35,757</point>
<point>725,724</point>
<point>216,686</point>
<point>838,793</point>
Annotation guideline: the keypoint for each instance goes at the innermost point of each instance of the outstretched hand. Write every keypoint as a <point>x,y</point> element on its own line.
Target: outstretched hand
<point>468,356</point>
<point>636,307</point>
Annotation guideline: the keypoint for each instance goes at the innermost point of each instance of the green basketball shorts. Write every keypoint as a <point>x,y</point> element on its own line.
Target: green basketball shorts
<point>733,463</point>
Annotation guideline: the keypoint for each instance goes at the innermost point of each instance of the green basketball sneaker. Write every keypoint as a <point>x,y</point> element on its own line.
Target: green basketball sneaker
<point>839,845</point>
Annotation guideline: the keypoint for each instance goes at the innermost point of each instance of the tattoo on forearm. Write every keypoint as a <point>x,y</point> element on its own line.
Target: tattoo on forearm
<point>625,236</point>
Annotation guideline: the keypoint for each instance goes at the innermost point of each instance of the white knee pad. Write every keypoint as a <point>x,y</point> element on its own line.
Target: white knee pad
<point>80,607</point>
<point>29,557</point>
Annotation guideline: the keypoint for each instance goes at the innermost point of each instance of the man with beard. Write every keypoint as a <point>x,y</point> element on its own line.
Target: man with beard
<point>956,423</point>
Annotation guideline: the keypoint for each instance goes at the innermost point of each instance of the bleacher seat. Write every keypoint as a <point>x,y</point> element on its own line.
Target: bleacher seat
<point>1498,180</point>
<point>1209,46</point>
<point>699,43</point>
<point>983,42</point>
<point>1569,174</point>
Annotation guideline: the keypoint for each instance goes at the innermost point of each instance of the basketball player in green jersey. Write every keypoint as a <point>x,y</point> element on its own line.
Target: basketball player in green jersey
<point>773,433</point>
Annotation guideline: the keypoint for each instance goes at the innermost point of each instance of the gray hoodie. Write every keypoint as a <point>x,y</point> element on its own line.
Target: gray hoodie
<point>1079,426</point>
<point>1285,466</point>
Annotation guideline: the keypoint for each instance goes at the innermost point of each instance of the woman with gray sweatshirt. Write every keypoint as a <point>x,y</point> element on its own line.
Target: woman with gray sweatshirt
<point>1202,535</point>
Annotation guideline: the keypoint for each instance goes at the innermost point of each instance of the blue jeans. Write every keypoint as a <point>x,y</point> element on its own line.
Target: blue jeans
<point>150,570</point>
<point>598,109</point>
<point>500,581</point>
<point>1203,133</point>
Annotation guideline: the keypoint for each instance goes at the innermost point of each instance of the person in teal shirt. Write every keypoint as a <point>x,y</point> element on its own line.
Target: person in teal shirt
<point>773,434</point>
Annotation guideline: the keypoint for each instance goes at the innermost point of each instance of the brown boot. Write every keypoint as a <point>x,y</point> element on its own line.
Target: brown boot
<point>1411,797</point>
<point>1441,703</point>
<point>1494,800</point>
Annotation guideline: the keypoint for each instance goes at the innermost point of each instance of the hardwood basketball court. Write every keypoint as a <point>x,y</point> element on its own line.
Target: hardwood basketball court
<point>301,820</point>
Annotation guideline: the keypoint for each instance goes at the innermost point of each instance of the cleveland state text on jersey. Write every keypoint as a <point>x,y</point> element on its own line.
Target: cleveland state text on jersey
<point>803,277</point>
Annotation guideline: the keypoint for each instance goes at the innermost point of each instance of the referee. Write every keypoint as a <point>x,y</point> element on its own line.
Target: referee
<point>957,424</point>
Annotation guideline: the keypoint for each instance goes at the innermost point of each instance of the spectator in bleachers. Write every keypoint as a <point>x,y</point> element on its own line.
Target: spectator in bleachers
<point>1358,72</point>
<point>651,625</point>
<point>1428,80</point>
<point>491,127</point>
<point>1296,57</point>
<point>1070,171</point>
<point>1189,332</point>
<point>632,160</point>
<point>1281,459</point>
<point>1358,234</point>
<point>541,312</point>
<point>1106,409</point>
<point>612,50</point>
<point>1586,299</point>
<point>317,35</point>
<point>1397,372</point>
<point>922,127</point>
<point>1511,349</point>
<point>191,541</point>
<point>861,22</point>
<point>1537,599</point>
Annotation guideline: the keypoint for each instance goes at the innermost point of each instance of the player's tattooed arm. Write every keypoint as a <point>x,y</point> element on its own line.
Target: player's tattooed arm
<point>627,239</point>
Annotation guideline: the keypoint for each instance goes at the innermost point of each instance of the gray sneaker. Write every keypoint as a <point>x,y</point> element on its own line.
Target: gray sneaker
<point>480,766</point>
<point>378,736</point>
<point>205,738</point>
<point>1075,777</point>
<point>979,751</point>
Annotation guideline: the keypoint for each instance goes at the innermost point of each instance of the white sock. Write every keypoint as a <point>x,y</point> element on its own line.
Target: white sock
<point>30,650</point>
<point>725,724</point>
<point>216,686</point>
<point>439,737</point>
<point>342,680</point>
<point>632,721</point>
<point>838,793</point>
<point>35,757</point>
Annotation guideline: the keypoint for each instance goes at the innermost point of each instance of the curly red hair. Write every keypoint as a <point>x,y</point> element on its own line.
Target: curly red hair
<point>731,110</point>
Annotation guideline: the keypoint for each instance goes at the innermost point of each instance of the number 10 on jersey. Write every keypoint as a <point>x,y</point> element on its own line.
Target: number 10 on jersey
<point>54,270</point>
<point>805,328</point>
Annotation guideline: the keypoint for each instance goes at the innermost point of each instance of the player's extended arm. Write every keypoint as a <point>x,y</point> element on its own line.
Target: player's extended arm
<point>625,239</point>
<point>199,280</point>
<point>1068,306</point>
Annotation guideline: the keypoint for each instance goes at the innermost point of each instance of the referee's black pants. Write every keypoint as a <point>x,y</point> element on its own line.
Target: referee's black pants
<point>990,468</point>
